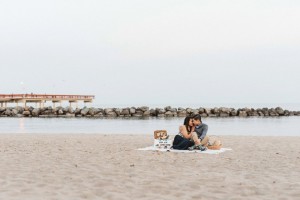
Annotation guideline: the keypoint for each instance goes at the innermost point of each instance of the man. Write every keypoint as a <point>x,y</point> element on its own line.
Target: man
<point>201,130</point>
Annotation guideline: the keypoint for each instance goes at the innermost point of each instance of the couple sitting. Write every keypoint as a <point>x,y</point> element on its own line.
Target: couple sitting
<point>192,135</point>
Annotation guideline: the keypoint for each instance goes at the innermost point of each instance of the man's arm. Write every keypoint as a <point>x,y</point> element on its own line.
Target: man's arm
<point>202,131</point>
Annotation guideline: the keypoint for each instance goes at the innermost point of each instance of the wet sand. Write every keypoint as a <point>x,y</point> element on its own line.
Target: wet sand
<point>82,166</point>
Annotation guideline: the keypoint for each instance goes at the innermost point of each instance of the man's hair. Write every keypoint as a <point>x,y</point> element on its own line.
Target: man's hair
<point>197,117</point>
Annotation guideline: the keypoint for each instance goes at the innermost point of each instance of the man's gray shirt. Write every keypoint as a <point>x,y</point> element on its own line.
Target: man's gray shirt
<point>201,130</point>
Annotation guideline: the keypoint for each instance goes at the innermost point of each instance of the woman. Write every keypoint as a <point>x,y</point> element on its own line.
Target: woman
<point>187,131</point>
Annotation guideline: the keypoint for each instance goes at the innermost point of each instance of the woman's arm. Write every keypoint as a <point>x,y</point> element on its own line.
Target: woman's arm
<point>184,132</point>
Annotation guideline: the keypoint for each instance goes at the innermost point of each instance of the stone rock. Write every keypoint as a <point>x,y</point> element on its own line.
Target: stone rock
<point>2,109</point>
<point>68,109</point>
<point>100,114</point>
<point>139,112</point>
<point>173,110</point>
<point>224,114</point>
<point>94,111</point>
<point>260,113</point>
<point>70,115</point>
<point>160,111</point>
<point>168,108</point>
<point>233,113</point>
<point>125,111</point>
<point>215,111</point>
<point>77,111</point>
<point>144,108</point>
<point>247,110</point>
<point>195,112</point>
<point>169,114</point>
<point>43,109</point>
<point>57,108</point>
<point>26,113</point>
<point>272,110</point>
<point>273,113</point>
<point>242,113</point>
<point>84,111</point>
<point>146,113</point>
<point>225,110</point>
<point>54,110</point>
<point>201,110</point>
<point>19,115</point>
<point>31,108</point>
<point>132,110</point>
<point>258,110</point>
<point>161,115</point>
<point>19,109</point>
<point>174,114</point>
<point>47,112</point>
<point>286,113</point>
<point>60,112</point>
<point>14,112</point>
<point>182,113</point>
<point>279,110</point>
<point>180,109</point>
<point>118,111</point>
<point>153,112</point>
<point>111,114</point>
<point>265,111</point>
<point>36,112</point>
<point>8,112</point>
<point>253,114</point>
<point>189,110</point>
<point>108,110</point>
<point>207,111</point>
<point>50,108</point>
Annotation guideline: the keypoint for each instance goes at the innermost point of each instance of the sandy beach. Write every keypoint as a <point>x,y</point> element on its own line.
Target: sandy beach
<point>109,167</point>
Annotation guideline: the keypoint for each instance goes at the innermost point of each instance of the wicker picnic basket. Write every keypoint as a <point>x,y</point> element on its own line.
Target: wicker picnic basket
<point>217,145</point>
<point>160,134</point>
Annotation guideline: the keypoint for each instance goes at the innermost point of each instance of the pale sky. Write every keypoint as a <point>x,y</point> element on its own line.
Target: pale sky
<point>168,52</point>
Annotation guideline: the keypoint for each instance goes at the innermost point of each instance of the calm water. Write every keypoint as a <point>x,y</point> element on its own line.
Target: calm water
<point>283,126</point>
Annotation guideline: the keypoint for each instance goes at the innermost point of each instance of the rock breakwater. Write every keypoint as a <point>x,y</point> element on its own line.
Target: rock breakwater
<point>143,111</point>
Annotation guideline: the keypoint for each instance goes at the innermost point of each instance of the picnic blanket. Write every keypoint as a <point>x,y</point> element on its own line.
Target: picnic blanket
<point>208,151</point>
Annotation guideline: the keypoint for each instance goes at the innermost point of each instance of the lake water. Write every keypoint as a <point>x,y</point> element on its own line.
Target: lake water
<point>272,126</point>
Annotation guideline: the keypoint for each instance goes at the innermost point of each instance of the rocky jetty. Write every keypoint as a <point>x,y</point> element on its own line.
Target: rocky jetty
<point>143,111</point>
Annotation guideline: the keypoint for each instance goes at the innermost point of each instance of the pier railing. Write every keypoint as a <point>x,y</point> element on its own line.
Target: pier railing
<point>47,96</point>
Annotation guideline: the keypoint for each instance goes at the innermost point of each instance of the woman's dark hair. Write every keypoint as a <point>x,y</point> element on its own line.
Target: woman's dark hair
<point>186,124</point>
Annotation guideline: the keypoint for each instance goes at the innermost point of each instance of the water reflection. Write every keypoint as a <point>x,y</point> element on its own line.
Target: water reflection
<point>22,125</point>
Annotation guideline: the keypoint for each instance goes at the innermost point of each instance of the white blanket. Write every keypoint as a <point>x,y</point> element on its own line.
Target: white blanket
<point>208,151</point>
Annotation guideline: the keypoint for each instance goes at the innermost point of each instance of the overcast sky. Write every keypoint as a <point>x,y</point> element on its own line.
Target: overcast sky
<point>174,52</point>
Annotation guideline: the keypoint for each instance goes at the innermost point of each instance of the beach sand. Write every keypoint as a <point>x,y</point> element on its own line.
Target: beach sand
<point>110,167</point>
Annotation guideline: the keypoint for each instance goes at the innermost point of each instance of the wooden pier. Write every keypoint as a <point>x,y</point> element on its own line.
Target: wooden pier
<point>41,99</point>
